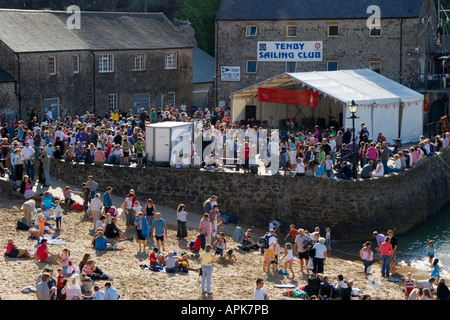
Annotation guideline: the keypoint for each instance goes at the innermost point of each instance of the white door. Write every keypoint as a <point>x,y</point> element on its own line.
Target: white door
<point>161,145</point>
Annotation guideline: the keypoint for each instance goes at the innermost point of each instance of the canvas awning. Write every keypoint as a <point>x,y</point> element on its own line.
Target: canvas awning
<point>384,105</point>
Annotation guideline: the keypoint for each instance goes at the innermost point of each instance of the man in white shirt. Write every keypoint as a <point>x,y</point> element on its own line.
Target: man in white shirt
<point>28,159</point>
<point>50,113</point>
<point>259,293</point>
<point>115,155</point>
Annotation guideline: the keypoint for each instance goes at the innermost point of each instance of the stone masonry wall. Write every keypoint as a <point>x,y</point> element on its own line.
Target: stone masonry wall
<point>351,209</point>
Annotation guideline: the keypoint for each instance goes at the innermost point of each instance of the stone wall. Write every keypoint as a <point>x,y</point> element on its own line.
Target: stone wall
<point>351,209</point>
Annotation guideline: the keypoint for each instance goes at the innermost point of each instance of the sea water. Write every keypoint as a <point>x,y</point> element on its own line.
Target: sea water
<point>412,246</point>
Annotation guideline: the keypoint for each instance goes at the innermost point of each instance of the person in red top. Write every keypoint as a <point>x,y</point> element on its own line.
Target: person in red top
<point>153,257</point>
<point>43,255</point>
<point>245,154</point>
<point>385,249</point>
<point>292,232</point>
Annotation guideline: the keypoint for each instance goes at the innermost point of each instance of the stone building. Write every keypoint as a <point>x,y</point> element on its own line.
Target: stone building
<point>395,38</point>
<point>114,60</point>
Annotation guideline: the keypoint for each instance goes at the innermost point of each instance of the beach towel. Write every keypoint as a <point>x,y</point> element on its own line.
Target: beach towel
<point>54,240</point>
<point>145,227</point>
<point>238,235</point>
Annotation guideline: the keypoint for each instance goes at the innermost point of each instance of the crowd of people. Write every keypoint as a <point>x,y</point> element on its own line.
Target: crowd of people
<point>120,138</point>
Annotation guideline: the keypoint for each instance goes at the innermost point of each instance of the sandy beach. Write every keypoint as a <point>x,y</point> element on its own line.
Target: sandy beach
<point>232,280</point>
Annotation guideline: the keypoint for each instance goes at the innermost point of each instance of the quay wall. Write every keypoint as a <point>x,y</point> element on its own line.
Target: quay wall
<point>352,209</point>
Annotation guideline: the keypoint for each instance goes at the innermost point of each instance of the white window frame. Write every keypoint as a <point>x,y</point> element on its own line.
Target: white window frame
<point>249,31</point>
<point>52,65</point>
<point>171,99</point>
<point>286,66</point>
<point>106,63</point>
<point>139,62</point>
<point>256,66</point>
<point>171,60</point>
<point>290,27</point>
<point>76,63</point>
<point>332,61</point>
<point>328,31</point>
<point>374,35</point>
<point>371,67</point>
<point>112,101</point>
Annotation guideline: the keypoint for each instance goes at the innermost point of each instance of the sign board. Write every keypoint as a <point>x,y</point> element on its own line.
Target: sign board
<point>290,51</point>
<point>230,73</point>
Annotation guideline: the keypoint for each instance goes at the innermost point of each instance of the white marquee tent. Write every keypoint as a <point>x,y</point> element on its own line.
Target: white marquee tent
<point>384,105</point>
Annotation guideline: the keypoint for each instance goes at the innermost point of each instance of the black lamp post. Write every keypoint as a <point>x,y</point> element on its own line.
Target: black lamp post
<point>353,107</point>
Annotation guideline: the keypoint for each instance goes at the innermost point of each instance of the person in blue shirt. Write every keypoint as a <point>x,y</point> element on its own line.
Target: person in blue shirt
<point>160,230</point>
<point>101,243</point>
<point>107,201</point>
<point>111,292</point>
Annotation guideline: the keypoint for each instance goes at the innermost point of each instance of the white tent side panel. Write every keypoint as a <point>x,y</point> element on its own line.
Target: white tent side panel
<point>385,120</point>
<point>412,122</point>
<point>238,108</point>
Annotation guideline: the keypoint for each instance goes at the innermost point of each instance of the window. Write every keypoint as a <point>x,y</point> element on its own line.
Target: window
<point>291,31</point>
<point>106,63</point>
<point>171,99</point>
<point>52,65</point>
<point>375,32</point>
<point>112,101</point>
<point>332,65</point>
<point>139,62</point>
<point>291,66</point>
<point>251,66</point>
<point>171,60</point>
<point>76,63</point>
<point>375,66</point>
<point>251,31</point>
<point>333,30</point>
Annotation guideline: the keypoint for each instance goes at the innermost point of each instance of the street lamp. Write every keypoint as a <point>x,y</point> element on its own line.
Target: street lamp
<point>353,107</point>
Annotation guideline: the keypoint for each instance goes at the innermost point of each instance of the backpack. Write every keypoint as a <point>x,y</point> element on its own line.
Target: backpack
<point>263,242</point>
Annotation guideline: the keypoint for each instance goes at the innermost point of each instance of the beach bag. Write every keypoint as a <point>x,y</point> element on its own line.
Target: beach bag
<point>263,242</point>
<point>21,225</point>
<point>77,207</point>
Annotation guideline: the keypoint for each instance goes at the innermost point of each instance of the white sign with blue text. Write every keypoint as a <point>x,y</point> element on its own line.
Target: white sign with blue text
<point>290,51</point>
<point>230,73</point>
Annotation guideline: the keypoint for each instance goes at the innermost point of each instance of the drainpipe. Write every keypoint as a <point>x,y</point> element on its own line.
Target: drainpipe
<point>93,83</point>
<point>20,86</point>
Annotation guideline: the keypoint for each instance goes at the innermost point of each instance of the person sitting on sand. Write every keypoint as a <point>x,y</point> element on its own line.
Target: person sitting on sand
<point>13,251</point>
<point>44,255</point>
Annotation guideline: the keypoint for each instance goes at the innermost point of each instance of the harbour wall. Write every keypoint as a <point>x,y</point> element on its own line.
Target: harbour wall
<point>352,209</point>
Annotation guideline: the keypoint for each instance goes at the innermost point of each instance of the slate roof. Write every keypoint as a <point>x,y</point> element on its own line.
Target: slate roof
<point>6,77</point>
<point>315,9</point>
<point>43,31</point>
<point>204,66</point>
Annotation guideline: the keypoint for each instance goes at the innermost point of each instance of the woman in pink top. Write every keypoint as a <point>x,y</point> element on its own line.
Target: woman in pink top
<point>99,155</point>
<point>385,249</point>
<point>372,153</point>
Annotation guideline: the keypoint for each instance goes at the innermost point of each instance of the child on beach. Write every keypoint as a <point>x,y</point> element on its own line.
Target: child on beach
<point>58,215</point>
<point>290,259</point>
<point>328,239</point>
<point>409,284</point>
<point>194,246</point>
<point>65,262</point>
<point>221,244</point>
<point>292,233</point>
<point>230,255</point>
<point>430,251</point>
<point>98,294</point>
<point>276,251</point>
<point>436,270</point>
<point>60,283</point>
<point>68,197</point>
<point>41,222</point>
